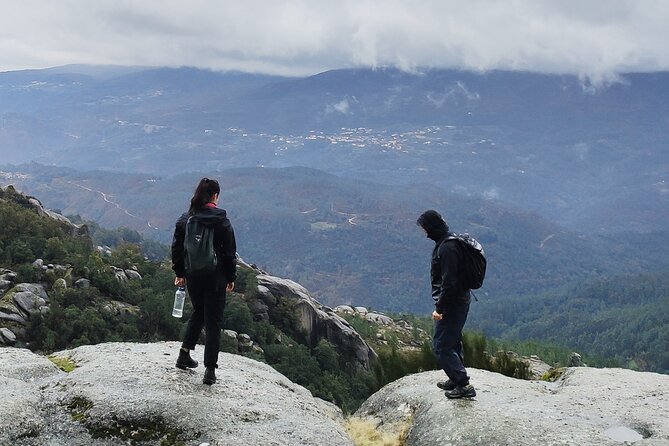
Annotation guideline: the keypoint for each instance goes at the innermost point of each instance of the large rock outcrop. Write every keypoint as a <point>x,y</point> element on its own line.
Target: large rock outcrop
<point>316,321</point>
<point>31,202</point>
<point>17,305</point>
<point>586,406</point>
<point>122,393</point>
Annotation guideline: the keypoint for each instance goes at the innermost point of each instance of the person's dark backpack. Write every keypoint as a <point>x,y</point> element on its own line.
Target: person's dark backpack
<point>200,255</point>
<point>473,271</point>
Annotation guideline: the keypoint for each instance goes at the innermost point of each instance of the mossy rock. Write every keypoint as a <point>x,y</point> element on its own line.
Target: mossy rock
<point>139,431</point>
<point>60,284</point>
<point>553,374</point>
<point>78,406</point>
<point>6,301</point>
<point>64,363</point>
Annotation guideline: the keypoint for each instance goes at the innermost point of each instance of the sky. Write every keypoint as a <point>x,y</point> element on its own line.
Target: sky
<point>592,38</point>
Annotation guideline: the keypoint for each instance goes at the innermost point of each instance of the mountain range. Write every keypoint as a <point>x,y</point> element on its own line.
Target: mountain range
<point>589,157</point>
<point>351,241</point>
<point>323,177</point>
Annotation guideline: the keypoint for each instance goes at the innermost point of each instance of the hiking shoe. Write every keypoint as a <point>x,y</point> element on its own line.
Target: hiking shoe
<point>446,385</point>
<point>184,361</point>
<point>209,376</point>
<point>461,392</point>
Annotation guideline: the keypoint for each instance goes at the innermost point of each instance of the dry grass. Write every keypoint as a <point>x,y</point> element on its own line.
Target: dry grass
<point>365,433</point>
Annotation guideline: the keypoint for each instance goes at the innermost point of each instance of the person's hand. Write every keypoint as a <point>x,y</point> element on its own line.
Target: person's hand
<point>179,281</point>
<point>230,287</point>
<point>437,316</point>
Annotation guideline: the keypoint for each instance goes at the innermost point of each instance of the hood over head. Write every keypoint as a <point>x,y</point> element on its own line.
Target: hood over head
<point>211,215</point>
<point>433,224</point>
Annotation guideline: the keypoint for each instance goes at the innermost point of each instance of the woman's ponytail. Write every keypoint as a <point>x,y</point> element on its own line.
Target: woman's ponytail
<point>205,190</point>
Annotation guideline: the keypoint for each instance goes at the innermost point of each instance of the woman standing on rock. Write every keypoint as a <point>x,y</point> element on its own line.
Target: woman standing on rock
<point>203,258</point>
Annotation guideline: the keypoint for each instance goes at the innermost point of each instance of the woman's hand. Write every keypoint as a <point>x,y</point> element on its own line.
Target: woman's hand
<point>437,316</point>
<point>230,287</point>
<point>179,281</point>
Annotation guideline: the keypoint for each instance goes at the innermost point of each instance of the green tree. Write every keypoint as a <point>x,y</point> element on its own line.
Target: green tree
<point>55,250</point>
<point>21,252</point>
<point>327,357</point>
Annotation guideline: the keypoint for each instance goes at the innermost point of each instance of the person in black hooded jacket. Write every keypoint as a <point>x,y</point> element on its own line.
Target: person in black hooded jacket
<point>452,301</point>
<point>207,292</point>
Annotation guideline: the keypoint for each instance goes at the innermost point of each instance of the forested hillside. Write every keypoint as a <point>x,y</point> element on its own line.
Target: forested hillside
<point>350,241</point>
<point>623,317</point>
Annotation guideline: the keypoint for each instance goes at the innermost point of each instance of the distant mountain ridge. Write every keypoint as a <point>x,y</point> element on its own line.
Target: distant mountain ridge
<point>553,144</point>
<point>543,281</point>
<point>346,240</point>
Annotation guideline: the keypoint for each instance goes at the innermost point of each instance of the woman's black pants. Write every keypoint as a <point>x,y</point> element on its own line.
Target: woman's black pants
<point>207,293</point>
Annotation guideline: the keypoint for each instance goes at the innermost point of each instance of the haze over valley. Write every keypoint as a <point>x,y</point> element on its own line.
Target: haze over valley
<point>563,182</point>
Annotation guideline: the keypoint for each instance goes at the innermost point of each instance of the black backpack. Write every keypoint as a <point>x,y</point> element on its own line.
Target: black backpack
<point>200,255</point>
<point>473,270</point>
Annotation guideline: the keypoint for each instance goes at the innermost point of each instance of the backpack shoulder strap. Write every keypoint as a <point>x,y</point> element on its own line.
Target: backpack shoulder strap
<point>449,238</point>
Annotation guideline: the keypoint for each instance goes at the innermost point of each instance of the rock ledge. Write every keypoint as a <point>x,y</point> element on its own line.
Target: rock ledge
<point>586,406</point>
<point>132,393</point>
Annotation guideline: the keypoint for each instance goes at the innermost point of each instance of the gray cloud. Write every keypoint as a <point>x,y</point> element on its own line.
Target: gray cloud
<point>594,39</point>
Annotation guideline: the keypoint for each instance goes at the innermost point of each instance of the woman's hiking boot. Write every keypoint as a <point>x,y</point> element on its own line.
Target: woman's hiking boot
<point>466,391</point>
<point>209,376</point>
<point>446,385</point>
<point>184,361</point>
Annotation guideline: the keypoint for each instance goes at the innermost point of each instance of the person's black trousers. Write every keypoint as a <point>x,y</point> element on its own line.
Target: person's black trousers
<point>447,342</point>
<point>207,293</point>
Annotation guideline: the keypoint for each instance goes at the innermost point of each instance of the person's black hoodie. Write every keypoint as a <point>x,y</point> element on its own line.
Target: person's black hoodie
<point>224,242</point>
<point>446,258</point>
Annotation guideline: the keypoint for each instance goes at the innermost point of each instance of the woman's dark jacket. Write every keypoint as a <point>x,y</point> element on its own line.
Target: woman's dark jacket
<point>224,242</point>
<point>447,290</point>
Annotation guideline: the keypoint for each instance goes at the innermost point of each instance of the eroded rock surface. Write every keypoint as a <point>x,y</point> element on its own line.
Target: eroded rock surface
<point>586,406</point>
<point>317,321</point>
<point>122,393</point>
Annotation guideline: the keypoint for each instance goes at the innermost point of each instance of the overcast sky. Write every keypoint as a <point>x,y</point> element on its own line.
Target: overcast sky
<point>595,38</point>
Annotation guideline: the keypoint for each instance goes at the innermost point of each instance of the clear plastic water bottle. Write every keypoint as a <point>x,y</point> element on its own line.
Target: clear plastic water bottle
<point>179,299</point>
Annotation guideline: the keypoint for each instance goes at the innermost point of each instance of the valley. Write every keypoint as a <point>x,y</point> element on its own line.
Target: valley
<point>324,176</point>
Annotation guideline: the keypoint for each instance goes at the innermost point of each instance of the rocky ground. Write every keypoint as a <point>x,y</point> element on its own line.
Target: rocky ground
<point>585,406</point>
<point>122,393</point>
